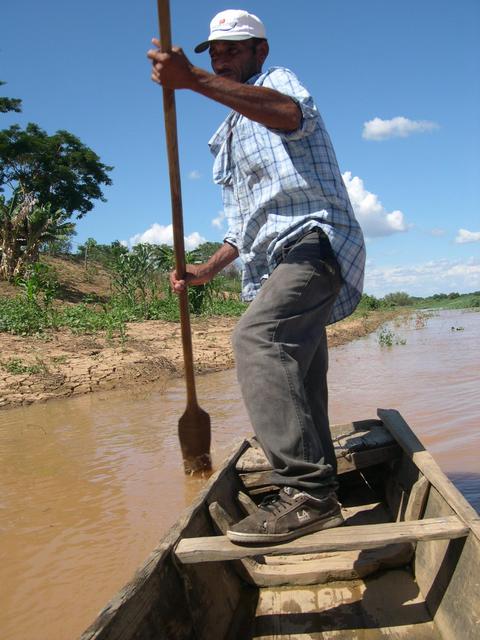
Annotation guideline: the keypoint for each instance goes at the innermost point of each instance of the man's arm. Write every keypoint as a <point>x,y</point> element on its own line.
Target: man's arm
<point>261,104</point>
<point>202,273</point>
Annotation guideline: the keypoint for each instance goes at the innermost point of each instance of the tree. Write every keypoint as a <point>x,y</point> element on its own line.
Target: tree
<point>49,179</point>
<point>58,170</point>
<point>103,253</point>
<point>398,299</point>
<point>9,104</point>
<point>60,245</point>
<point>24,227</point>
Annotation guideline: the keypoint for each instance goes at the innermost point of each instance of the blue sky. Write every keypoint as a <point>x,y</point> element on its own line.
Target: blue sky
<point>398,85</point>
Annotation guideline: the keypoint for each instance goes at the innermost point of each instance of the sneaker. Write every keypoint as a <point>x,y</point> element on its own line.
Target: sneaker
<point>286,516</point>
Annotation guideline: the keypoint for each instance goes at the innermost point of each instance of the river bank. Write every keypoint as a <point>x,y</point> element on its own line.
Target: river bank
<point>64,364</point>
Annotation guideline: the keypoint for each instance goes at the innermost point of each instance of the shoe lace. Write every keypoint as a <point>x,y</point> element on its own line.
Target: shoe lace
<point>274,504</point>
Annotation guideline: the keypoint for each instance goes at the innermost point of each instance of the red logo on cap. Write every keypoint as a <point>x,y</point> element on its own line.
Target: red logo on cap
<point>221,21</point>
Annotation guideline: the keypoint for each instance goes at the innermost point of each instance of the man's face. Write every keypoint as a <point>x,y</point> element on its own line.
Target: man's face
<point>237,60</point>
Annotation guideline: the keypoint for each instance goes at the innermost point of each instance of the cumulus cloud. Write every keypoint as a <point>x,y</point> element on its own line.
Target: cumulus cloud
<point>159,234</point>
<point>464,236</point>
<point>371,214</point>
<point>195,175</point>
<point>436,276</point>
<point>399,127</point>
<point>218,221</point>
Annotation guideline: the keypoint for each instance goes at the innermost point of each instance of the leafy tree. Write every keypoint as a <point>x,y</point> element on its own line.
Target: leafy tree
<point>398,299</point>
<point>9,104</point>
<point>106,254</point>
<point>369,303</point>
<point>60,245</point>
<point>49,178</point>
<point>58,170</point>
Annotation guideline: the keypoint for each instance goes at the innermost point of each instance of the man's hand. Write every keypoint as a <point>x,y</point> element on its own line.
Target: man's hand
<point>202,273</point>
<point>196,274</point>
<point>172,70</point>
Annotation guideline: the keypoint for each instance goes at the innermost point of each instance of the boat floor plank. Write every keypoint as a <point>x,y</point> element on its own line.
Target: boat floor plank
<point>387,605</point>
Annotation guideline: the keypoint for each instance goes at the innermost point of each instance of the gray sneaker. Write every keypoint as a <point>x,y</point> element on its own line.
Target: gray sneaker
<point>287,515</point>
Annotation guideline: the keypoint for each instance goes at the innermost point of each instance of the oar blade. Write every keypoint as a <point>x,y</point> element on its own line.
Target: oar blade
<point>194,435</point>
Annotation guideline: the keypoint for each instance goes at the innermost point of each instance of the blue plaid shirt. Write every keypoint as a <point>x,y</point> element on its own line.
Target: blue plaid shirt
<point>279,185</point>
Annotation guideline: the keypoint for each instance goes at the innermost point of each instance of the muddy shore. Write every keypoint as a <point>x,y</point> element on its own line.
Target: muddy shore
<point>63,364</point>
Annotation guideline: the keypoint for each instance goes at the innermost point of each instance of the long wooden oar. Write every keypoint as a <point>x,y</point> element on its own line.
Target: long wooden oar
<point>194,425</point>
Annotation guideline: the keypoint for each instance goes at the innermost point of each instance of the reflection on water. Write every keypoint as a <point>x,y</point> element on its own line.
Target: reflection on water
<point>89,484</point>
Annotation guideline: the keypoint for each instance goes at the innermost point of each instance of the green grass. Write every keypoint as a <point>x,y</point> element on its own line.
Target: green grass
<point>463,301</point>
<point>15,366</point>
<point>22,316</point>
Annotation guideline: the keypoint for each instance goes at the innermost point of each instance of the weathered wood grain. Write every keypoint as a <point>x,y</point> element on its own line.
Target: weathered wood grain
<point>216,548</point>
<point>345,464</point>
<point>425,462</point>
<point>448,573</point>
<point>307,569</point>
<point>354,449</point>
<point>145,607</point>
<point>388,605</point>
<point>247,503</point>
<point>417,499</point>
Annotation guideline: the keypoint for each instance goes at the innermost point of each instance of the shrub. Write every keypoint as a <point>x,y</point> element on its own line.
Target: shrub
<point>398,299</point>
<point>368,303</point>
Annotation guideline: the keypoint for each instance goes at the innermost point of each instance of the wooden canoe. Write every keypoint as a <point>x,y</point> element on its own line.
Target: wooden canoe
<point>406,564</point>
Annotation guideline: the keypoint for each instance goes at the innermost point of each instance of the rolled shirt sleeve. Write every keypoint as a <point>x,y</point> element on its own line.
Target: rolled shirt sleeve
<point>286,82</point>
<point>233,217</point>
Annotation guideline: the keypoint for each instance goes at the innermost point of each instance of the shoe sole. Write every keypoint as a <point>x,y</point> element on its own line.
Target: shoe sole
<point>268,538</point>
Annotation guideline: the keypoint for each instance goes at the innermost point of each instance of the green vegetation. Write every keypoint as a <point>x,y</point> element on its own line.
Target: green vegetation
<point>48,179</point>
<point>387,338</point>
<point>10,104</point>
<point>139,290</point>
<point>451,301</point>
<point>17,367</point>
<point>401,299</point>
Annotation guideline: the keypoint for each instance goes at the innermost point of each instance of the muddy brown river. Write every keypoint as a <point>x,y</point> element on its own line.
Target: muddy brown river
<point>89,484</point>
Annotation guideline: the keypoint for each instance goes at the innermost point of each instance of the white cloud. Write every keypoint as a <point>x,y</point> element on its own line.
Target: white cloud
<point>399,127</point>
<point>437,232</point>
<point>195,175</point>
<point>464,236</point>
<point>193,241</point>
<point>218,221</point>
<point>159,234</point>
<point>436,276</point>
<point>369,211</point>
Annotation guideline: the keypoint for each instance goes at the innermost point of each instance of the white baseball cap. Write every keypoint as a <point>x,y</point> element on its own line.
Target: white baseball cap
<point>233,24</point>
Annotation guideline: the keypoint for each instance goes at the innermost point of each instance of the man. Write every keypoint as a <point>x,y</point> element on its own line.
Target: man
<point>291,223</point>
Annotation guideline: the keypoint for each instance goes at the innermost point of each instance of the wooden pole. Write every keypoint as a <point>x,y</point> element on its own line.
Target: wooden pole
<point>194,425</point>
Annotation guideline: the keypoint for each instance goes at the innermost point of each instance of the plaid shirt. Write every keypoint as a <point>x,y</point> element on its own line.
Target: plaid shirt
<point>279,185</point>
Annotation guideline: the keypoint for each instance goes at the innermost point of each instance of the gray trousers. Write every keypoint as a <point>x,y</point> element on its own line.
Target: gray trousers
<point>282,360</point>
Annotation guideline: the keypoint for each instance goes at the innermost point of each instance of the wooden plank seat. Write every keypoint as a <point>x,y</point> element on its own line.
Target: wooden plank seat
<point>215,548</point>
<point>316,568</point>
<point>358,445</point>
